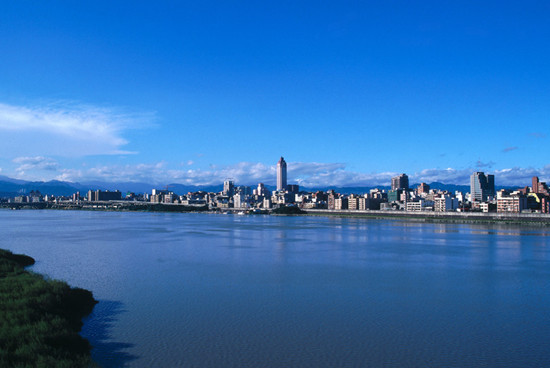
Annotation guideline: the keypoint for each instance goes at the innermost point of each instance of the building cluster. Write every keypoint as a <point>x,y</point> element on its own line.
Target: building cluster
<point>240,197</point>
<point>400,197</point>
<point>482,197</point>
<point>92,196</point>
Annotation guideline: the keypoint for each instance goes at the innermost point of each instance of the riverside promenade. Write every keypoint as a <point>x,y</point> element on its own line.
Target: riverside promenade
<point>537,219</point>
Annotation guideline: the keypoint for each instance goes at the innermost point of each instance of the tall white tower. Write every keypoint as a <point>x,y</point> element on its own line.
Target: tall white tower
<point>281,174</point>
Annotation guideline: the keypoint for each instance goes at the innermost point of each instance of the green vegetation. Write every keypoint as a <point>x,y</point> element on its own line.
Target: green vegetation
<point>289,210</point>
<point>40,319</point>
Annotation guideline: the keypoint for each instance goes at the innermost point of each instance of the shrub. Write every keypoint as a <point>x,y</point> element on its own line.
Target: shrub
<point>40,319</point>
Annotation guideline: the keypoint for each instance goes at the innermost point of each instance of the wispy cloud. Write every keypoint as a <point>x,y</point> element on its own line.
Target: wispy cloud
<point>537,135</point>
<point>509,149</point>
<point>64,129</point>
<point>36,163</point>
<point>480,164</point>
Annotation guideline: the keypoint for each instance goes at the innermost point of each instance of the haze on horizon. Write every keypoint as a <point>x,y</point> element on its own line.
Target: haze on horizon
<point>349,93</point>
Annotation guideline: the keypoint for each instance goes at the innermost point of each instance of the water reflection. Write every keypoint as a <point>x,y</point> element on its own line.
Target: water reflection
<point>97,329</point>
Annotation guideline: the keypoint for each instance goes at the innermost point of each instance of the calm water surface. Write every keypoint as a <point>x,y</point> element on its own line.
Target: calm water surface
<point>204,290</point>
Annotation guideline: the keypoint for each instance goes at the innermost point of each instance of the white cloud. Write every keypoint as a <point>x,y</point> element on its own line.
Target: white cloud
<point>334,174</point>
<point>35,163</point>
<point>63,129</point>
<point>309,175</point>
<point>157,173</point>
<point>243,173</point>
<point>520,176</point>
<point>516,176</point>
<point>447,176</point>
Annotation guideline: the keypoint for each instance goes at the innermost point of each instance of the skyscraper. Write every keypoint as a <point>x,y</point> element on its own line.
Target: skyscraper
<point>482,186</point>
<point>535,184</point>
<point>228,187</point>
<point>400,182</point>
<point>281,174</point>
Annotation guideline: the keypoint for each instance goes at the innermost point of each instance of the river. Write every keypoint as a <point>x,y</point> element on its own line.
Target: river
<point>210,290</point>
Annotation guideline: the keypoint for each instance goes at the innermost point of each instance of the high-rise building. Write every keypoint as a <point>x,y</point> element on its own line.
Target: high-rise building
<point>331,198</point>
<point>228,187</point>
<point>400,182</point>
<point>539,186</point>
<point>293,188</point>
<point>281,174</point>
<point>481,186</point>
<point>243,190</point>
<point>535,184</point>
<point>261,190</point>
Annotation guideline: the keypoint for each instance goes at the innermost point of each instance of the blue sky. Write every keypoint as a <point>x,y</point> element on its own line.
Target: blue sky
<point>350,93</point>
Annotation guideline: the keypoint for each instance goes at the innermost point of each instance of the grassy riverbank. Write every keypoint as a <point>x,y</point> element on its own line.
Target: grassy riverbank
<point>40,319</point>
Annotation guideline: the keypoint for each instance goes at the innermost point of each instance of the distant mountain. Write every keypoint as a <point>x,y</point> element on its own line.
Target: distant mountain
<point>461,188</point>
<point>361,190</point>
<point>10,180</point>
<point>344,190</point>
<point>124,187</point>
<point>450,187</point>
<point>12,187</point>
<point>182,189</point>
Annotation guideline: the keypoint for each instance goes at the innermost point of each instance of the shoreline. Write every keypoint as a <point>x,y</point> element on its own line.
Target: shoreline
<point>529,219</point>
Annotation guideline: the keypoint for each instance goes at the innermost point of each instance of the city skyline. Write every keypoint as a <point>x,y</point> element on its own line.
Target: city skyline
<point>290,198</point>
<point>482,186</point>
<point>351,94</point>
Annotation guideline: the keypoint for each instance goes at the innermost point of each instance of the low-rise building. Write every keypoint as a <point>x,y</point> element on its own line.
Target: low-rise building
<point>394,195</point>
<point>419,205</point>
<point>169,198</point>
<point>445,203</point>
<point>511,203</point>
<point>103,195</point>
<point>353,202</point>
<point>341,203</point>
